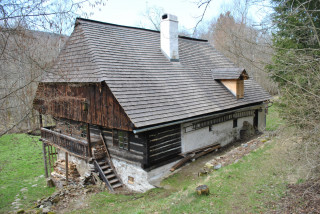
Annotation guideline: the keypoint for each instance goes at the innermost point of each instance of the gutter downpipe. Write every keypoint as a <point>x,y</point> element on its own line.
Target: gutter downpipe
<point>137,131</point>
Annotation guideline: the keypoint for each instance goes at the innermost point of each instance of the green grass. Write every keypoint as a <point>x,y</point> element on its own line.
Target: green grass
<point>21,167</point>
<point>273,119</point>
<point>245,187</point>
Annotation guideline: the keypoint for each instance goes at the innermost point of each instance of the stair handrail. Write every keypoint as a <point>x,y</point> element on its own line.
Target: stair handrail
<point>109,159</point>
<point>102,175</point>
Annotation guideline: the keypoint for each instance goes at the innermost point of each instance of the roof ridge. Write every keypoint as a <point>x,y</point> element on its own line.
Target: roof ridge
<point>137,28</point>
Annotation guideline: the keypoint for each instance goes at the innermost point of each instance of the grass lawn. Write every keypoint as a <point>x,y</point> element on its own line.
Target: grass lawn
<point>21,172</point>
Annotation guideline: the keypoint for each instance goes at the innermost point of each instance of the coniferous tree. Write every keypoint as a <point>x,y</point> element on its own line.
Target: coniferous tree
<point>296,41</point>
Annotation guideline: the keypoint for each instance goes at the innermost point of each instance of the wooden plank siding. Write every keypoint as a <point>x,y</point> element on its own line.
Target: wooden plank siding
<point>70,100</point>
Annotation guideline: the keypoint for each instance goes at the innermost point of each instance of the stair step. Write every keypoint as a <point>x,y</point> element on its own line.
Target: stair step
<point>107,171</point>
<point>116,185</point>
<point>102,163</point>
<point>110,176</point>
<point>104,167</point>
<point>114,181</point>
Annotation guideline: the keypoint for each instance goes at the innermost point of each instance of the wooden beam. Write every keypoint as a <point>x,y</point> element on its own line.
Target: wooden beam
<point>89,140</point>
<point>40,120</point>
<point>207,151</point>
<point>44,150</point>
<point>193,155</point>
<point>49,159</point>
<point>67,168</point>
<point>181,162</point>
<point>45,159</point>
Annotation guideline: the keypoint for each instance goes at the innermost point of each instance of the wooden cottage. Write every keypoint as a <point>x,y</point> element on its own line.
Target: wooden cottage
<point>133,101</point>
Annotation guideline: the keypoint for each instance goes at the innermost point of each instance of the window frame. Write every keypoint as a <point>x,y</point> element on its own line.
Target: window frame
<point>121,139</point>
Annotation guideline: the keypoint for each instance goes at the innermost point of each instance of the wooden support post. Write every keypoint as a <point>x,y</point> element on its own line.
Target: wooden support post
<point>45,159</point>
<point>89,140</point>
<point>44,150</point>
<point>40,121</point>
<point>67,168</point>
<point>48,147</point>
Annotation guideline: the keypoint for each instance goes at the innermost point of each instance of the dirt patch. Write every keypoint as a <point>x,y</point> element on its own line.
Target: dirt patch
<point>300,198</point>
<point>236,153</point>
<point>224,156</point>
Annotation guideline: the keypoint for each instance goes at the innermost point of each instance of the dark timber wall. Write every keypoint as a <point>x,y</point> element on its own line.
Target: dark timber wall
<point>163,144</point>
<point>89,103</point>
<point>137,147</point>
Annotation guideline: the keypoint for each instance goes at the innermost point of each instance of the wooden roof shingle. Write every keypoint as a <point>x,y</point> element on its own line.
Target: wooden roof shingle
<point>228,73</point>
<point>150,89</point>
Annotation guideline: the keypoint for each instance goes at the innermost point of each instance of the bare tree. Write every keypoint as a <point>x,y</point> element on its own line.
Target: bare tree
<point>153,16</point>
<point>31,35</point>
<point>233,34</point>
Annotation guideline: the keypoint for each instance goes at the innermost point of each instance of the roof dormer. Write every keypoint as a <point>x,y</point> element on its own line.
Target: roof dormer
<point>232,79</point>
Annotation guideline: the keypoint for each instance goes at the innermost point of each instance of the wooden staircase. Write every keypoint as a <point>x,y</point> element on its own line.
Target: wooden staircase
<point>108,174</point>
<point>107,171</point>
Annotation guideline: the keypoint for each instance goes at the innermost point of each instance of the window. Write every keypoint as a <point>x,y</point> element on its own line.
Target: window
<point>120,139</point>
<point>123,140</point>
<point>235,123</point>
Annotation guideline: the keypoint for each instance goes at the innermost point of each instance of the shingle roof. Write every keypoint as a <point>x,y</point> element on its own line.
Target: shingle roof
<point>150,89</point>
<point>227,73</point>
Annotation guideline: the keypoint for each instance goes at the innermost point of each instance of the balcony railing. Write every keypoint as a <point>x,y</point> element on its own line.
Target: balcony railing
<point>67,143</point>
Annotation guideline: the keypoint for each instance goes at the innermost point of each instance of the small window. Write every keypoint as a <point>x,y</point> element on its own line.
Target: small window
<point>130,180</point>
<point>235,123</point>
<point>120,139</point>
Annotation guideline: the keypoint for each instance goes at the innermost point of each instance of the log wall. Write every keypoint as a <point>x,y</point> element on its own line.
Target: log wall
<point>163,144</point>
<point>137,147</point>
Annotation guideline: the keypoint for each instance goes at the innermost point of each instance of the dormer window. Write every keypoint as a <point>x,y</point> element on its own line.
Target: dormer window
<point>232,79</point>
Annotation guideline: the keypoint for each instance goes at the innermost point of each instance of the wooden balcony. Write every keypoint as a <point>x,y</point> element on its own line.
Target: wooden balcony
<point>66,143</point>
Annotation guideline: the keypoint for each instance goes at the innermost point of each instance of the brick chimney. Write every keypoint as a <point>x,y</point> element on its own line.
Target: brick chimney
<point>169,37</point>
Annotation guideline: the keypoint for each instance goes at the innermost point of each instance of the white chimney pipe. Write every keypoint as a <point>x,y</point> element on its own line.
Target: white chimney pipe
<point>169,37</point>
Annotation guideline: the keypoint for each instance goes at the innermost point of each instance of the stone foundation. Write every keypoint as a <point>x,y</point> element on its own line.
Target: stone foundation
<point>136,178</point>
